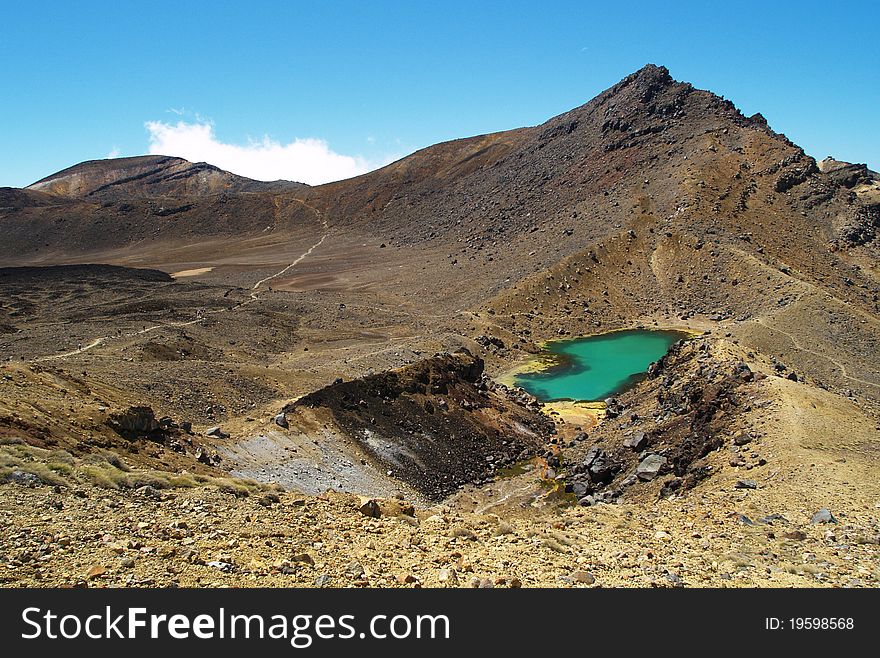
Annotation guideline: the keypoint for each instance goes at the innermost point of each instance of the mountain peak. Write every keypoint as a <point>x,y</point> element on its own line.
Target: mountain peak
<point>652,73</point>
<point>643,85</point>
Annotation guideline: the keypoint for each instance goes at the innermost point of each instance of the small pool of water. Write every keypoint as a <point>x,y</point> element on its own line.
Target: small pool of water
<point>596,367</point>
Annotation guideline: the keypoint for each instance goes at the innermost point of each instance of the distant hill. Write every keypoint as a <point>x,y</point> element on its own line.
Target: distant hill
<point>150,176</point>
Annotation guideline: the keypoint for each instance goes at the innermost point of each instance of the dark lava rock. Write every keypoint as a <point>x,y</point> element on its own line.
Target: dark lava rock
<point>281,420</point>
<point>205,457</point>
<point>435,434</point>
<point>134,422</point>
<point>23,478</point>
<point>796,175</point>
<point>149,492</point>
<point>742,438</point>
<point>613,408</point>
<point>592,455</point>
<point>637,442</point>
<point>601,469</point>
<point>743,372</point>
<point>824,515</point>
<point>487,341</point>
<point>772,518</point>
<point>745,484</point>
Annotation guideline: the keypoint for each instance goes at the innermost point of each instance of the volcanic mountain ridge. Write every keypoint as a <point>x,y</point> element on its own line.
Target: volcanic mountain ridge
<point>653,205</point>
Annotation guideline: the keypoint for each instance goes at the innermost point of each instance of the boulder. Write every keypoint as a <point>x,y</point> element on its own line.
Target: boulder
<point>602,469</point>
<point>773,518</point>
<point>741,438</point>
<point>395,507</point>
<point>23,478</point>
<point>592,454</point>
<point>448,577</point>
<point>743,372</point>
<point>203,455</point>
<point>824,515</point>
<point>613,408</point>
<point>636,442</point>
<point>650,467</point>
<point>281,420</point>
<point>134,421</point>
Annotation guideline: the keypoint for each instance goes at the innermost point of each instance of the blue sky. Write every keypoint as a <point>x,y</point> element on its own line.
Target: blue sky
<point>337,87</point>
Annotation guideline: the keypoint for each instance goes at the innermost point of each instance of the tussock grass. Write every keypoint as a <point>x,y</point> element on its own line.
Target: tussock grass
<point>463,533</point>
<point>62,468</point>
<point>231,486</point>
<point>42,471</point>
<point>739,560</point>
<point>100,477</point>
<point>108,471</point>
<point>182,481</point>
<point>554,545</point>
<point>503,528</point>
<point>61,457</point>
<point>562,538</point>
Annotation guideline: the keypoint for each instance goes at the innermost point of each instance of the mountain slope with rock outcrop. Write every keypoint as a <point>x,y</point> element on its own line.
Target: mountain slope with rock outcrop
<point>168,325</point>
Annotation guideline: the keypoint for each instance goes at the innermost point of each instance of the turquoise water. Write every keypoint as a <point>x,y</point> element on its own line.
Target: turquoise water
<point>596,367</point>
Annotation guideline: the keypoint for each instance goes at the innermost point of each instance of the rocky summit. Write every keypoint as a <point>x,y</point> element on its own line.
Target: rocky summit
<point>208,380</point>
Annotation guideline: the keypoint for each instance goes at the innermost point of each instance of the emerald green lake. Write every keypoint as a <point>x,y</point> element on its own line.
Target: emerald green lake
<point>596,367</point>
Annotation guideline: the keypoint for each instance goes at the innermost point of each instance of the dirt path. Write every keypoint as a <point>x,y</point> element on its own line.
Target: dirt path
<point>201,315</point>
<point>302,257</point>
<point>801,348</point>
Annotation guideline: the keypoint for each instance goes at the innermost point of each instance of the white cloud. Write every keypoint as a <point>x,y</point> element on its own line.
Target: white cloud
<point>114,153</point>
<point>308,160</point>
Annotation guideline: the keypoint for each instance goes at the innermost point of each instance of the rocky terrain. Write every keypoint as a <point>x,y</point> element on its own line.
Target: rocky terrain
<point>202,375</point>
